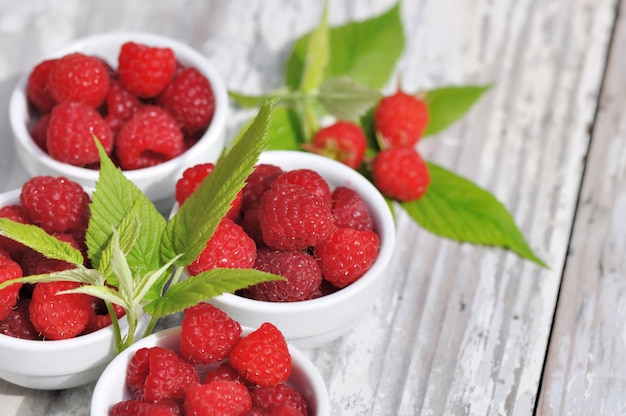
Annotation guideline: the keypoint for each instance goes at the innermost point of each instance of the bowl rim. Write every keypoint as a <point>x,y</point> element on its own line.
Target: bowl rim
<point>19,117</point>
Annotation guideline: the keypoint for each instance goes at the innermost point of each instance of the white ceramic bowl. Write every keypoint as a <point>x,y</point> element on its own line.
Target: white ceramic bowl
<point>157,182</point>
<point>111,388</point>
<point>311,323</point>
<point>59,364</point>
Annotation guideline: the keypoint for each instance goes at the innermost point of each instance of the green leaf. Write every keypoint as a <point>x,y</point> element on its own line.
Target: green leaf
<point>40,241</point>
<point>455,208</point>
<point>205,286</point>
<point>114,197</point>
<point>252,101</point>
<point>317,55</point>
<point>366,51</point>
<point>343,98</point>
<point>448,104</point>
<point>195,222</point>
<point>80,275</point>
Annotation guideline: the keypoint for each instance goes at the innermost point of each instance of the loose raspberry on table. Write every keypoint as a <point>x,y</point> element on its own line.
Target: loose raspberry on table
<point>70,134</point>
<point>56,204</point>
<point>17,324</point>
<point>342,141</point>
<point>145,70</point>
<point>120,105</point>
<point>156,373</point>
<point>224,398</point>
<point>79,77</point>
<point>9,270</point>
<point>58,316</point>
<point>139,408</point>
<point>37,92</point>
<point>401,174</point>
<point>262,356</point>
<point>189,98</point>
<point>308,179</point>
<point>208,334</point>
<point>346,255</point>
<point>149,137</point>
<point>292,217</point>
<point>228,247</point>
<point>270,397</point>
<point>400,120</point>
<point>350,210</point>
<point>301,271</point>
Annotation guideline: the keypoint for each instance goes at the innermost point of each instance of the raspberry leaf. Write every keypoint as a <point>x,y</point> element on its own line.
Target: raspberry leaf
<point>316,57</point>
<point>343,98</point>
<point>446,105</point>
<point>455,208</point>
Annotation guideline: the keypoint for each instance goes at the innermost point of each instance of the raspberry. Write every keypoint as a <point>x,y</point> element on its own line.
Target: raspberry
<point>271,397</point>
<point>70,134</point>
<point>346,255</point>
<point>9,270</point>
<point>224,398</point>
<point>120,105</point>
<point>191,179</point>
<point>292,217</point>
<point>189,98</point>
<point>156,374</point>
<point>79,77</point>
<point>400,120</point>
<point>224,371</point>
<point>17,324</point>
<point>34,263</point>
<point>56,204</point>
<point>37,92</point>
<point>144,70</point>
<point>18,214</point>
<point>262,356</point>
<point>342,141</point>
<point>139,408</point>
<point>229,247</point>
<point>308,179</point>
<point>258,182</point>
<point>39,133</point>
<point>249,221</point>
<point>208,334</point>
<point>151,136</point>
<point>59,316</point>
<point>350,210</point>
<point>302,274</point>
<point>100,317</point>
<point>401,174</point>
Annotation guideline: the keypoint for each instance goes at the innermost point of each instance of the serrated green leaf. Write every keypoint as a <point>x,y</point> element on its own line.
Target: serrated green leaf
<point>343,98</point>
<point>114,197</point>
<point>195,222</point>
<point>446,105</point>
<point>40,241</point>
<point>127,232</point>
<point>80,275</point>
<point>205,286</point>
<point>252,101</point>
<point>101,292</point>
<point>284,131</point>
<point>316,57</point>
<point>456,208</point>
<point>366,51</point>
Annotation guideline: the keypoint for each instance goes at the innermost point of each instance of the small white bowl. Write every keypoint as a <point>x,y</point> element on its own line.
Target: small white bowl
<point>157,182</point>
<point>312,323</point>
<point>111,387</point>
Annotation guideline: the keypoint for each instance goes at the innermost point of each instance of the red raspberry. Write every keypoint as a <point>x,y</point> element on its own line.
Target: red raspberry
<point>224,398</point>
<point>191,179</point>
<point>249,221</point>
<point>59,316</point>
<point>34,262</point>
<point>150,137</point>
<point>258,182</point>
<point>308,179</point>
<point>17,324</point>
<point>271,397</point>
<point>39,133</point>
<point>400,120</point>
<point>139,408</point>
<point>262,356</point>
<point>37,92</point>
<point>189,98</point>
<point>208,334</point>
<point>79,77</point>
<point>401,174</point>
<point>120,105</point>
<point>70,134</point>
<point>224,371</point>
<point>302,274</point>
<point>100,317</point>
<point>18,214</point>
<point>350,210</point>
<point>144,70</point>
<point>342,141</point>
<point>292,217</point>
<point>229,247</point>
<point>9,270</point>
<point>56,204</point>
<point>155,374</point>
<point>347,254</point>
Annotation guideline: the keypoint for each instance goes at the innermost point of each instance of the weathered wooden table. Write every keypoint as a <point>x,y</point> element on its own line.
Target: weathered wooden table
<point>459,329</point>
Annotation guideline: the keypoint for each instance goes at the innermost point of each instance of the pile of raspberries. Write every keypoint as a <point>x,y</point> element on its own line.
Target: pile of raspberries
<point>147,111</point>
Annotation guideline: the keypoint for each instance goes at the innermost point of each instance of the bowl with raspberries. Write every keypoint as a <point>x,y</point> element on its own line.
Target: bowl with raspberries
<point>320,225</point>
<point>214,366</point>
<point>50,341</point>
<point>155,104</point>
